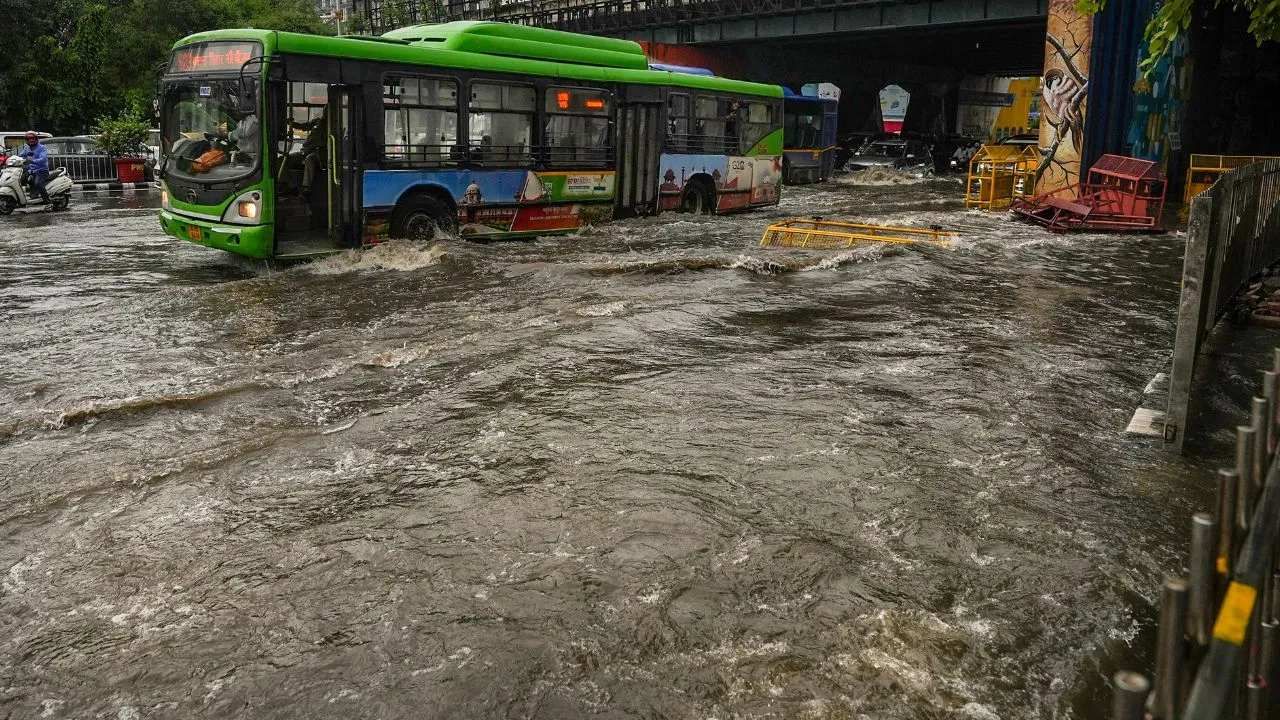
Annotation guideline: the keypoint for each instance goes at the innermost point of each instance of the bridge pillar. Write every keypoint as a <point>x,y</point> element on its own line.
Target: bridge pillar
<point>1068,43</point>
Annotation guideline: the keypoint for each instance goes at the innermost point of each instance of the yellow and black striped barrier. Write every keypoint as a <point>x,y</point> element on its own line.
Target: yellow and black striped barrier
<point>819,234</point>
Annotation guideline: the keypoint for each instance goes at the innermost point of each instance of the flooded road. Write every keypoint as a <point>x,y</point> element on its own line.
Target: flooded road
<point>649,471</point>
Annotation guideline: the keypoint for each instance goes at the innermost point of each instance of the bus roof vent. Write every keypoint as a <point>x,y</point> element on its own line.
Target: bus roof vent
<point>531,43</point>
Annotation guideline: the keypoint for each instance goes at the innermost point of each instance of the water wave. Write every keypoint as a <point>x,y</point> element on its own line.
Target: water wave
<point>602,310</point>
<point>759,265</point>
<point>848,257</point>
<point>98,409</point>
<point>884,176</point>
<point>398,255</point>
<point>660,266</point>
<point>799,261</point>
<point>94,410</point>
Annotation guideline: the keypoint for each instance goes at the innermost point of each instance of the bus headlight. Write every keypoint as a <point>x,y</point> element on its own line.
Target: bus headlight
<point>164,198</point>
<point>244,210</point>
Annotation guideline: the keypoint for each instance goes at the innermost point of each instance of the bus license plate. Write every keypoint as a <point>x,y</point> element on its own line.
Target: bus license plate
<point>193,233</point>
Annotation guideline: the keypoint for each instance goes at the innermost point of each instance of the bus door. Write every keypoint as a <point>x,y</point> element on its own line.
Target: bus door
<point>639,147</point>
<point>345,130</point>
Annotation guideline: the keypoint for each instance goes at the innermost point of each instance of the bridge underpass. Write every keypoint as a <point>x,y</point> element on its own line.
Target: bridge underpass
<point>932,63</point>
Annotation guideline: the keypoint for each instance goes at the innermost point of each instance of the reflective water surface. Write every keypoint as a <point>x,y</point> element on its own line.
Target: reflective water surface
<point>648,471</point>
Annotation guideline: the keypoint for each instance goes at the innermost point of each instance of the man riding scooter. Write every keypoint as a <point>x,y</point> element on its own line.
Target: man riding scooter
<point>37,157</point>
<point>30,168</point>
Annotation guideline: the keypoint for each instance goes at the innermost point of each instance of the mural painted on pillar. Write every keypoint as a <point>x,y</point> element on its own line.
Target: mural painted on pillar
<point>1158,101</point>
<point>1065,88</point>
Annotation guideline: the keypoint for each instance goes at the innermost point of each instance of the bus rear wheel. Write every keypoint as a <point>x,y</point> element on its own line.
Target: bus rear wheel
<point>696,199</point>
<point>422,219</point>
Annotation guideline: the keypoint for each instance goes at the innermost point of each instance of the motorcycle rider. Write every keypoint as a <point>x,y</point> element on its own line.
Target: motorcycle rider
<point>37,156</point>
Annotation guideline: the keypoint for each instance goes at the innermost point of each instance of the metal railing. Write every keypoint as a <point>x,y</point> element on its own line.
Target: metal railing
<point>429,156</point>
<point>696,143</point>
<point>1220,624</point>
<point>1233,236</point>
<point>86,168</point>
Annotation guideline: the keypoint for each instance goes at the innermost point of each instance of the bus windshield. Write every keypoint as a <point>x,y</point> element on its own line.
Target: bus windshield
<point>803,129</point>
<point>207,137</point>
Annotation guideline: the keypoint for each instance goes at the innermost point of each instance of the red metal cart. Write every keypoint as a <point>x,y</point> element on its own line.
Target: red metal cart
<point>1120,194</point>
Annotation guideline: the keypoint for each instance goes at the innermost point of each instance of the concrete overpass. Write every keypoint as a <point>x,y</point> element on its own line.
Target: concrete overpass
<point>710,21</point>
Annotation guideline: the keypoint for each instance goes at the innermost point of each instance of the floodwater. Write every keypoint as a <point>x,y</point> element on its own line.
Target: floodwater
<point>648,471</point>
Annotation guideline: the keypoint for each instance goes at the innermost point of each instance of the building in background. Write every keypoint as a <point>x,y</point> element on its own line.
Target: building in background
<point>339,12</point>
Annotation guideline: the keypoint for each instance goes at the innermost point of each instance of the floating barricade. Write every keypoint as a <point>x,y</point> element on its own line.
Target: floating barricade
<point>820,234</point>
<point>1120,194</point>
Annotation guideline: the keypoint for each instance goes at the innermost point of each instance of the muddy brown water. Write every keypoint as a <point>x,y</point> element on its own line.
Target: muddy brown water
<point>648,471</point>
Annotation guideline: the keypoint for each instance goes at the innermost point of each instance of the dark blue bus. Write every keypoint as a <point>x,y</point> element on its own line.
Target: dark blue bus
<point>809,138</point>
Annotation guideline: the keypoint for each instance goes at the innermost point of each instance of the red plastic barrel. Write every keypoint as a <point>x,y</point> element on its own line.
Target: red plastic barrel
<point>130,170</point>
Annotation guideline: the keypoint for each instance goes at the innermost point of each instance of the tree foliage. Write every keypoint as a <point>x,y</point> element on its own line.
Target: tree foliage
<point>69,62</point>
<point>1174,17</point>
<point>123,135</point>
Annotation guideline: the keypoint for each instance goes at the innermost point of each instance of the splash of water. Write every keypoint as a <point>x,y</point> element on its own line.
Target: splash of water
<point>397,255</point>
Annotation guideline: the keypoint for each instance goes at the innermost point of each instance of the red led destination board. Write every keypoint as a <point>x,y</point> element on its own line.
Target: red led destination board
<point>213,57</point>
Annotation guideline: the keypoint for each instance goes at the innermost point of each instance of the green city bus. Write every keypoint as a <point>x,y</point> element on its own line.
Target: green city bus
<point>283,145</point>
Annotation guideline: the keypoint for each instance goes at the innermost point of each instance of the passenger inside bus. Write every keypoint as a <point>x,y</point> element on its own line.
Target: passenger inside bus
<point>304,196</point>
<point>315,158</point>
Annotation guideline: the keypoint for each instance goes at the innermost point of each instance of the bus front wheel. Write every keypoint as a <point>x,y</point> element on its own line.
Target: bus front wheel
<point>422,219</point>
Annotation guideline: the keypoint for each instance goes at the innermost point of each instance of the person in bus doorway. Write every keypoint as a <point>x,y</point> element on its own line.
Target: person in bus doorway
<point>315,158</point>
<point>37,156</point>
<point>315,148</point>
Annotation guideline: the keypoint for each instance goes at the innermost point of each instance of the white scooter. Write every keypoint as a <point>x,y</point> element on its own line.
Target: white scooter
<point>14,194</point>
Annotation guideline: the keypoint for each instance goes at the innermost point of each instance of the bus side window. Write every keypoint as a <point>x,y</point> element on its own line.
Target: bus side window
<point>678,122</point>
<point>500,124</point>
<point>578,131</point>
<point>420,119</point>
<point>758,123</point>
<point>709,125</point>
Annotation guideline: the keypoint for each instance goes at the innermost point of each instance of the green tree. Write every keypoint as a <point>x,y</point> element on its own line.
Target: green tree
<point>1174,17</point>
<point>73,61</point>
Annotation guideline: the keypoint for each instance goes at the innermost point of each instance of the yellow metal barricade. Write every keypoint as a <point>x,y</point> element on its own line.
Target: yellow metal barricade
<point>818,234</point>
<point>1206,169</point>
<point>1024,178</point>
<point>998,174</point>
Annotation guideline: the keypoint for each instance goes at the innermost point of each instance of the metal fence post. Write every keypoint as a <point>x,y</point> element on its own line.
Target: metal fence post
<point>1228,494</point>
<point>1200,602</point>
<point>1129,700</point>
<point>1258,423</point>
<point>1244,469</point>
<point>1171,651</point>
<point>1270,386</point>
<point>1191,314</point>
